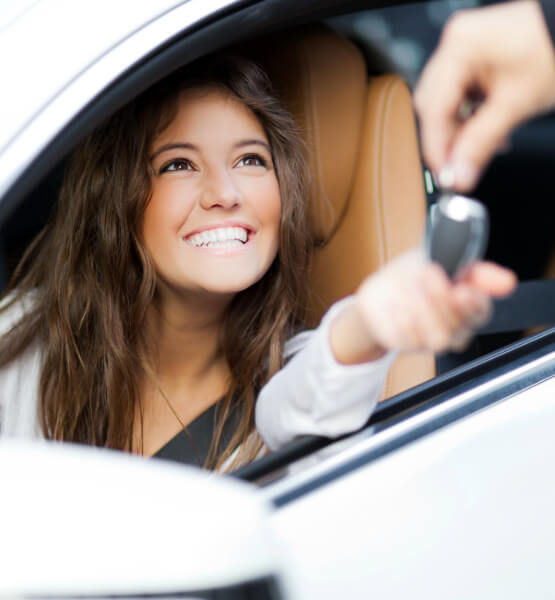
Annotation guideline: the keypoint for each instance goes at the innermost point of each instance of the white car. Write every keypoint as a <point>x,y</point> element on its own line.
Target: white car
<point>448,491</point>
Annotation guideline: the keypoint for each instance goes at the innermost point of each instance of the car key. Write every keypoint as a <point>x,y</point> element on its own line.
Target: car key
<point>459,227</point>
<point>458,232</point>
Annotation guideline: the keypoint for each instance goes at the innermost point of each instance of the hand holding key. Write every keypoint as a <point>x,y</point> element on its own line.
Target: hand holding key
<point>411,304</point>
<point>505,53</point>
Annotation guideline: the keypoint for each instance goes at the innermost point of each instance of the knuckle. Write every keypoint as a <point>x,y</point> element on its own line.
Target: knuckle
<point>458,25</point>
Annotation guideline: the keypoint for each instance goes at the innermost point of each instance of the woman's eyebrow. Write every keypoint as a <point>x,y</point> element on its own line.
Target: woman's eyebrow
<point>242,143</point>
<point>173,146</point>
<point>187,146</point>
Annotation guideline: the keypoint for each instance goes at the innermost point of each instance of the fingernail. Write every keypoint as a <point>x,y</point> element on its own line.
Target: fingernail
<point>466,175</point>
<point>446,177</point>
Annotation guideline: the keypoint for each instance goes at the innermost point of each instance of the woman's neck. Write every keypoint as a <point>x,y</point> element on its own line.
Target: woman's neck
<point>186,336</point>
<point>190,372</point>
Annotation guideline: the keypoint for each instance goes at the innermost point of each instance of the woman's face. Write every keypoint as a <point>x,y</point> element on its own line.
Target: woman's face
<point>212,223</point>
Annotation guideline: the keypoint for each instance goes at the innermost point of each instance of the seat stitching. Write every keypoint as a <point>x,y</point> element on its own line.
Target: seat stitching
<point>385,251</point>
<point>378,184</point>
<point>386,116</point>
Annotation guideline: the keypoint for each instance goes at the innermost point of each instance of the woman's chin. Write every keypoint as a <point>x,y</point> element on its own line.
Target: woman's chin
<point>229,288</point>
<point>220,283</point>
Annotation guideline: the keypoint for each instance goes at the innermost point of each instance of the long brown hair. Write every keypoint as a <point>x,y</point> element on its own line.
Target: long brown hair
<point>92,281</point>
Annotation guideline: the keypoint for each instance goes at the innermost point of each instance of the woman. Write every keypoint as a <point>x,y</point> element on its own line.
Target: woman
<point>172,279</point>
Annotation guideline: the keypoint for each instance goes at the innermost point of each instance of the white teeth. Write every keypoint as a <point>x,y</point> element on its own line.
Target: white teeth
<point>219,238</point>
<point>224,244</point>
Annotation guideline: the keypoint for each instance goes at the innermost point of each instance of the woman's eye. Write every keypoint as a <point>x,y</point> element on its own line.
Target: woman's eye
<point>251,160</point>
<point>181,164</point>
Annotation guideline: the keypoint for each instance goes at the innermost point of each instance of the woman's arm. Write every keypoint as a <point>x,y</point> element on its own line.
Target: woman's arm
<point>316,394</point>
<point>333,382</point>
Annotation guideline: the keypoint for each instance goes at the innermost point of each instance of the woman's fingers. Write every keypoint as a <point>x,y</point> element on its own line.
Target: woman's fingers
<point>412,305</point>
<point>445,316</point>
<point>455,311</point>
<point>490,278</point>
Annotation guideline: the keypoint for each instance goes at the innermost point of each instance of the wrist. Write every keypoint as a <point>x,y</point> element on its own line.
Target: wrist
<point>350,339</point>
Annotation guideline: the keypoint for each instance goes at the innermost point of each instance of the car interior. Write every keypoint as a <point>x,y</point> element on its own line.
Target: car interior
<point>361,133</point>
<point>369,201</point>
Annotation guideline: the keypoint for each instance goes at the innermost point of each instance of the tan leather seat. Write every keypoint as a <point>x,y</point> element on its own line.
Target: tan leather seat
<point>368,202</point>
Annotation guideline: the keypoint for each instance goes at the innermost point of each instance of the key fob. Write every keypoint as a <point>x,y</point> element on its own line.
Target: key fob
<point>458,233</point>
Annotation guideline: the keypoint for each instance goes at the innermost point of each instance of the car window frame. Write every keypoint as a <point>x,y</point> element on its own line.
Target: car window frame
<point>139,60</point>
<point>403,419</point>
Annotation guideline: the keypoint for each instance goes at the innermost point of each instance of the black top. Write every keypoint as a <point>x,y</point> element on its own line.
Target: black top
<point>548,7</point>
<point>191,447</point>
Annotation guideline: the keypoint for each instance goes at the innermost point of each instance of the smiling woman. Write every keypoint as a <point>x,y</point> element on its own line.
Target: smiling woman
<point>165,297</point>
<point>138,329</point>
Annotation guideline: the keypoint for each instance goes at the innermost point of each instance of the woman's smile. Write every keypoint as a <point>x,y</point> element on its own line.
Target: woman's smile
<point>226,237</point>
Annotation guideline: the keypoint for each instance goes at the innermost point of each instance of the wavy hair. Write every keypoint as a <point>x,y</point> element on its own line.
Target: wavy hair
<point>92,280</point>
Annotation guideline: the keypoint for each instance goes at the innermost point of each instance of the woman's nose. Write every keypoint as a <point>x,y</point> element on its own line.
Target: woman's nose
<point>220,191</point>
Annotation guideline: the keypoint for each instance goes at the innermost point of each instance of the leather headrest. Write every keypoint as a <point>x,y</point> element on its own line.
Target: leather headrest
<point>321,78</point>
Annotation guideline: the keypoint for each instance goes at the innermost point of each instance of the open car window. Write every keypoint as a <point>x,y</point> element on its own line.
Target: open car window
<point>394,39</point>
<point>445,492</point>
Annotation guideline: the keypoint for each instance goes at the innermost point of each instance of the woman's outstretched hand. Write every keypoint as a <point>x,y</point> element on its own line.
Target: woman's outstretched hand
<point>411,305</point>
<point>506,53</point>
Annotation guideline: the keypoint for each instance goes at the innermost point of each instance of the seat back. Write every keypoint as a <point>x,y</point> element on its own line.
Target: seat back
<point>367,203</point>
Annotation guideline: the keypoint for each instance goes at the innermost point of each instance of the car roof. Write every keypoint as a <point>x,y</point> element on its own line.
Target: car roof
<point>52,41</point>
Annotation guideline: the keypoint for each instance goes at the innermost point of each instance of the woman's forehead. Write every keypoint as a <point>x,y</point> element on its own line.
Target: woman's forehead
<point>203,110</point>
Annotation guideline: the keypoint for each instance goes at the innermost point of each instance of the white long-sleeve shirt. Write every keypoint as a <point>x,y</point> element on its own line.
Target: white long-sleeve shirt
<point>312,394</point>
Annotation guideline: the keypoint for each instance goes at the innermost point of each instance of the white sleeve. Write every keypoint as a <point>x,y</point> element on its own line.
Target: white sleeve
<point>19,382</point>
<point>314,393</point>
